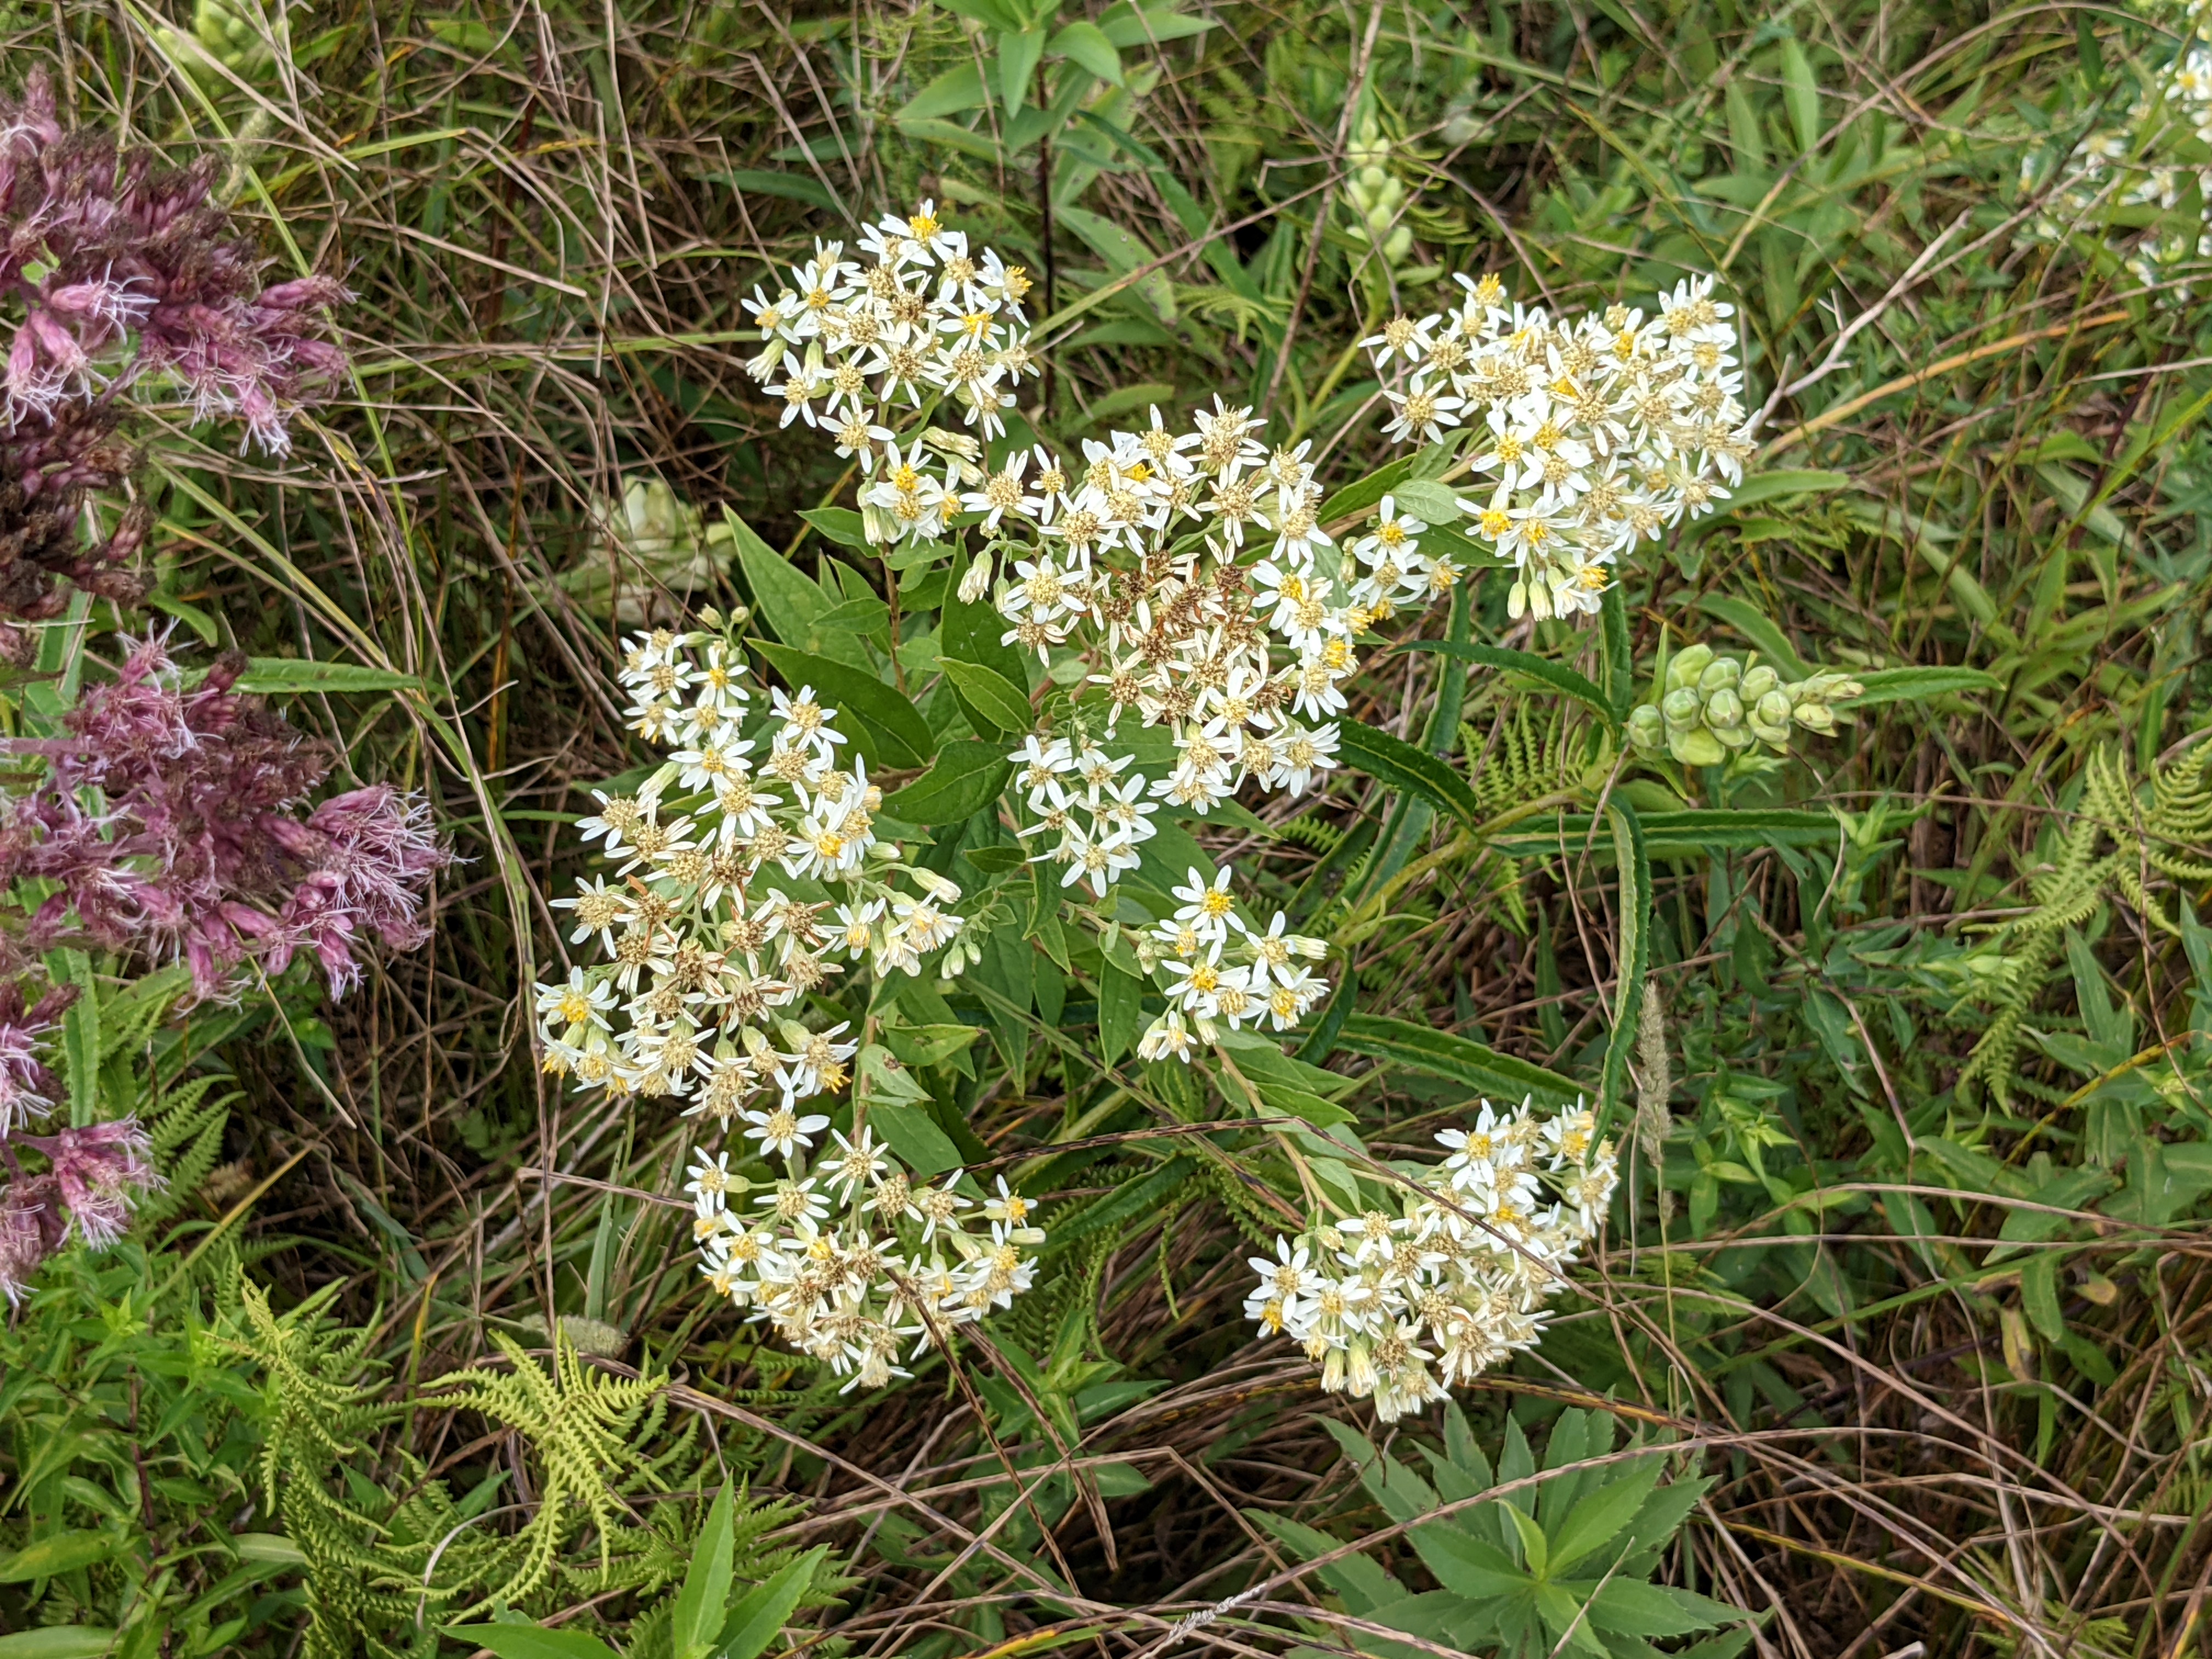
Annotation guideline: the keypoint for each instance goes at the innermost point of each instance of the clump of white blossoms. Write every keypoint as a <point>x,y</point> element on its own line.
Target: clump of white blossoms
<point>1401,1306</point>
<point>1181,575</point>
<point>2143,158</point>
<point>747,876</point>
<point>857,1259</point>
<point>1593,435</point>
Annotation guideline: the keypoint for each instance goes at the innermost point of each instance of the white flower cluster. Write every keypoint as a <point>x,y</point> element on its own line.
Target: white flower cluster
<point>853,1261</point>
<point>847,343</point>
<point>1458,1277</point>
<point>702,942</point>
<point>1595,435</point>
<point>747,874</point>
<point>2139,160</point>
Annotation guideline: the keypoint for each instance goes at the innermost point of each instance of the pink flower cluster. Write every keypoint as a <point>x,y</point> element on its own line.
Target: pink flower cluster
<point>196,847</point>
<point>93,1175</point>
<point>124,274</point>
<point>171,822</point>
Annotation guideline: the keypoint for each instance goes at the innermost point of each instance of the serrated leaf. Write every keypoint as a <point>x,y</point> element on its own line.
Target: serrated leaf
<point>1400,764</point>
<point>965,779</point>
<point>1557,675</point>
<point>887,729</point>
<point>986,691</point>
<point>1460,1060</point>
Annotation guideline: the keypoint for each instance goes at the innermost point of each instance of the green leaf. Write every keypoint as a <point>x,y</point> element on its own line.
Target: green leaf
<point>58,1641</point>
<point>791,186</point>
<point>792,603</point>
<point>61,1552</point>
<point>1121,1010</point>
<point>1905,684</point>
<point>888,729</point>
<point>1802,94</point>
<point>1557,675</point>
<point>1130,26</point>
<point>1018,53</point>
<point>1632,957</point>
<point>81,1045</point>
<point>914,1135</point>
<point>929,1045</point>
<point>755,1620</point>
<point>952,93</point>
<point>1426,499</point>
<point>529,1642</point>
<point>966,777</point>
<point>1362,494</point>
<point>1748,620</point>
<point>1460,1060</point>
<point>281,676</point>
<point>705,1596</point>
<point>1394,761</point>
<point>1695,833</point>
<point>1597,1519</point>
<point>1122,253</point>
<point>1085,45</point>
<point>973,634</point>
<point>841,525</point>
<point>1630,1608</point>
<point>1533,1544</point>
<point>987,692</point>
<point>1764,487</point>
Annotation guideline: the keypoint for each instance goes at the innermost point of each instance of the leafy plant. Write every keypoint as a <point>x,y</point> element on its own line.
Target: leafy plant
<point>1560,1560</point>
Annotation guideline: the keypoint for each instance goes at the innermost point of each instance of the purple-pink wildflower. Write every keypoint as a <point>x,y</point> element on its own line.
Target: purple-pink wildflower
<point>195,845</point>
<point>124,273</point>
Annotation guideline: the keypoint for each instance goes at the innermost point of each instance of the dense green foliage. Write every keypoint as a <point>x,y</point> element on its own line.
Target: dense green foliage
<point>1906,1028</point>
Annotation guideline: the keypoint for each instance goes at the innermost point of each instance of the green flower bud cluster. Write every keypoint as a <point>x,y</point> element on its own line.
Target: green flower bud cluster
<point>1377,198</point>
<point>1711,706</point>
<point>225,32</point>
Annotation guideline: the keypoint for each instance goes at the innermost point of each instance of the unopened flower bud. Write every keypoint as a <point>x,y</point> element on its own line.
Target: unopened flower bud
<point>1681,705</point>
<point>1720,672</point>
<point>1687,664</point>
<point>1647,727</point>
<point>1815,716</point>
<point>1758,681</point>
<point>1723,709</point>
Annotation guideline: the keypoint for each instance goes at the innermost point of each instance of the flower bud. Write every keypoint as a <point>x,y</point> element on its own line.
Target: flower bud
<point>1720,672</point>
<point>1723,709</point>
<point>1815,716</point>
<point>1758,681</point>
<point>1681,706</point>
<point>1769,720</point>
<point>1696,747</point>
<point>1688,663</point>
<point>1647,727</point>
